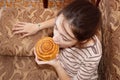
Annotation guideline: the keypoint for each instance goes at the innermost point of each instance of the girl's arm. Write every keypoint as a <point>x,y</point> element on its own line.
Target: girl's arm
<point>29,28</point>
<point>46,24</point>
<point>61,72</point>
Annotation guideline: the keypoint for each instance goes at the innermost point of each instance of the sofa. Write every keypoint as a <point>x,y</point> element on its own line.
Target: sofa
<point>16,54</point>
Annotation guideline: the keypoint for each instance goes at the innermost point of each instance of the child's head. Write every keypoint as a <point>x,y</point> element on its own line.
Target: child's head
<point>78,21</point>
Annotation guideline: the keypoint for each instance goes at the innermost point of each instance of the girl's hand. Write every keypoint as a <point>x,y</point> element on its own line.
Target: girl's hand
<point>53,62</point>
<point>25,28</point>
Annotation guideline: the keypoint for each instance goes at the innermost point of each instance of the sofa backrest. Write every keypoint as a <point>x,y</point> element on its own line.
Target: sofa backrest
<point>110,63</point>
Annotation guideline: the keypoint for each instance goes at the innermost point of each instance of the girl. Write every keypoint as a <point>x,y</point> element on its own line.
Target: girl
<point>74,31</point>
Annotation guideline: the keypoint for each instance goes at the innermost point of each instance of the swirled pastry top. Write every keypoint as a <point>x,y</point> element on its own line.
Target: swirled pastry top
<point>46,49</point>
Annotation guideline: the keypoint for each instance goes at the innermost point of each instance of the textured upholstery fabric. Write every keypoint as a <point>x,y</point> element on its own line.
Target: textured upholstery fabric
<point>12,44</point>
<point>110,63</point>
<point>24,68</point>
<point>16,55</point>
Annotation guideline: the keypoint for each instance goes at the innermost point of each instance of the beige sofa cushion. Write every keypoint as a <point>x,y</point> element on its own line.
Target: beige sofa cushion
<point>24,68</point>
<point>12,44</point>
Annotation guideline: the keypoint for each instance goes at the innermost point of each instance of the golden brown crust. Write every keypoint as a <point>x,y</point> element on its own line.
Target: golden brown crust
<point>46,49</point>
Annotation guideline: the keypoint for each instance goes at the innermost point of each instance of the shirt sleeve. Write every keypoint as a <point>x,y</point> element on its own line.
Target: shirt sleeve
<point>87,69</point>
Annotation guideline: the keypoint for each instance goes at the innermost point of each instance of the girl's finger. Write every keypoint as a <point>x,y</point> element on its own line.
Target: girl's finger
<point>17,28</point>
<point>57,56</point>
<point>25,35</point>
<point>34,52</point>
<point>21,23</point>
<point>18,32</point>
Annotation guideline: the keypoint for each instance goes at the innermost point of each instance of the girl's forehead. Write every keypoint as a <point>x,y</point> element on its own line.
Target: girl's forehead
<point>60,19</point>
<point>62,22</point>
<point>64,26</point>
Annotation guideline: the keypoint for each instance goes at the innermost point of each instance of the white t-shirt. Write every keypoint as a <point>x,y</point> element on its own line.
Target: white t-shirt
<point>81,64</point>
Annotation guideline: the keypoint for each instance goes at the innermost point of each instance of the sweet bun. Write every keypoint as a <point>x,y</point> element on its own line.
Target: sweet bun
<point>46,49</point>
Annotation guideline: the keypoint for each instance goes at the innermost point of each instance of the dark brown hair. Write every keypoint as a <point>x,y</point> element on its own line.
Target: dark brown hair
<point>84,18</point>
